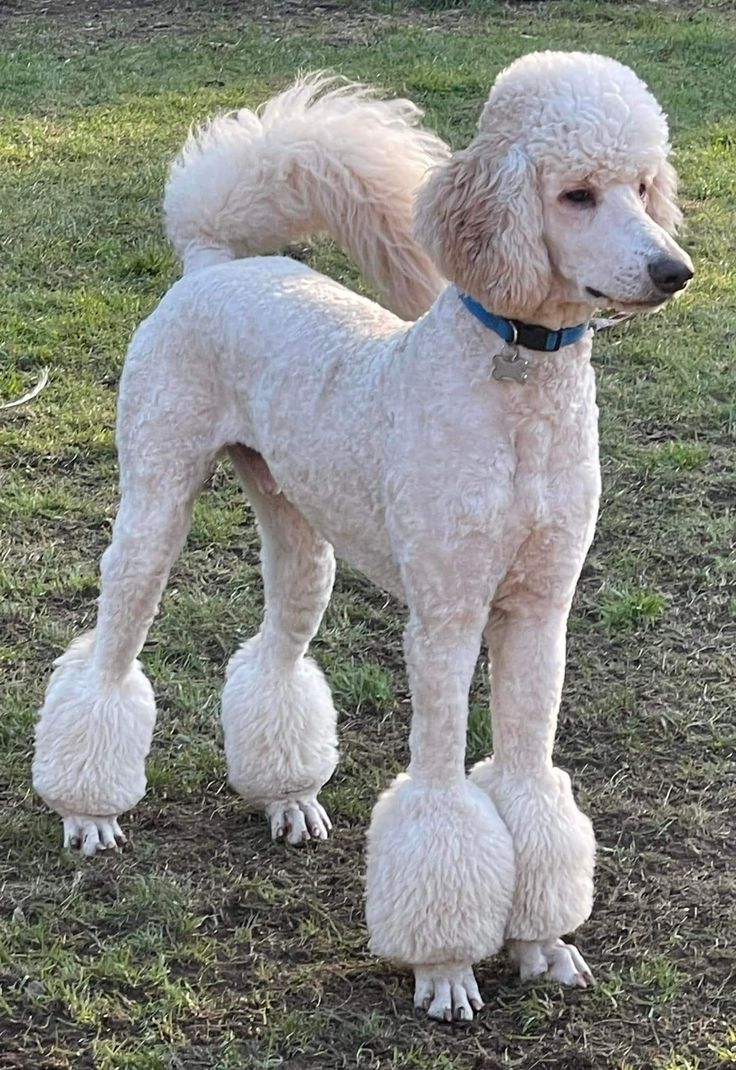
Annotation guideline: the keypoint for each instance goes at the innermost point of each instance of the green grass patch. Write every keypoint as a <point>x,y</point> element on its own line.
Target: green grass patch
<point>627,610</point>
<point>358,686</point>
<point>678,456</point>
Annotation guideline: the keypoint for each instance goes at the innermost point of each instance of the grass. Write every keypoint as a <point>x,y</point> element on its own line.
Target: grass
<point>204,946</point>
<point>621,610</point>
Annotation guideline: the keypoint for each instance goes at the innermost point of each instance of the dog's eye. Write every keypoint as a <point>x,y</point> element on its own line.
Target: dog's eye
<point>642,189</point>
<point>580,196</point>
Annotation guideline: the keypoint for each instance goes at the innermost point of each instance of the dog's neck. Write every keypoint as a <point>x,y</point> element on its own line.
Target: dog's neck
<point>474,348</point>
<point>554,311</point>
<point>556,314</point>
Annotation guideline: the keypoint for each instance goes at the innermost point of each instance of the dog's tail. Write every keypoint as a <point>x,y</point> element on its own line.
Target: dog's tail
<point>323,156</point>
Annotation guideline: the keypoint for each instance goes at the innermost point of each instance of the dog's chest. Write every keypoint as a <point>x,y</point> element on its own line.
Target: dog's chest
<point>555,466</point>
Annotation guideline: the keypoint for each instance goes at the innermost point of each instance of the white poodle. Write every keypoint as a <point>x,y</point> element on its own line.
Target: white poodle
<point>454,460</point>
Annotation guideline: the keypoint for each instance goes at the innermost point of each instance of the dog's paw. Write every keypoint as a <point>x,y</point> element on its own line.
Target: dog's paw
<point>447,992</point>
<point>298,820</point>
<point>551,958</point>
<point>92,834</point>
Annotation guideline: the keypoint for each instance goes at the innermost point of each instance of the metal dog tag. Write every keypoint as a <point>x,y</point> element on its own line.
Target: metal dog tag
<point>508,365</point>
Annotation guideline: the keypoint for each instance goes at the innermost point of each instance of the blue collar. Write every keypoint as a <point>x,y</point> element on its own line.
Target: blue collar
<point>527,335</point>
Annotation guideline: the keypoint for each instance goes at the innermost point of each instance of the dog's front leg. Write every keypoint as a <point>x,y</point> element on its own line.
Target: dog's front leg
<point>440,860</point>
<point>553,841</point>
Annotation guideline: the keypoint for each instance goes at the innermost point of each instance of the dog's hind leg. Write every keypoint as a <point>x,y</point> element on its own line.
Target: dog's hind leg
<point>96,724</point>
<point>277,712</point>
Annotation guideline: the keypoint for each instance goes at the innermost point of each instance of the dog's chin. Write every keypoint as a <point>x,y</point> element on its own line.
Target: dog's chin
<point>615,304</point>
<point>632,307</point>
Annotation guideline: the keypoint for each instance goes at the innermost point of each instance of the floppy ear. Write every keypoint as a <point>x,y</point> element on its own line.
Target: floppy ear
<point>479,217</point>
<point>662,201</point>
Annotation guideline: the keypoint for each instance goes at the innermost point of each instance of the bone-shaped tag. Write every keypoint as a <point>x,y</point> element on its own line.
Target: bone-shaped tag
<point>508,365</point>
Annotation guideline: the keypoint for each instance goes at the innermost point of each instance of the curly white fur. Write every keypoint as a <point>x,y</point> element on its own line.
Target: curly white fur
<point>472,500</point>
<point>440,852</point>
<point>91,742</point>
<point>280,738</point>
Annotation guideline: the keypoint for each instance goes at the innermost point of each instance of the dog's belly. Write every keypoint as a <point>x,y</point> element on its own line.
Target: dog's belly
<point>354,523</point>
<point>363,546</point>
<point>373,559</point>
<point>305,360</point>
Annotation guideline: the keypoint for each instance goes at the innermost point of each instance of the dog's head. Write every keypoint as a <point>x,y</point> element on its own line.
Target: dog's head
<point>564,195</point>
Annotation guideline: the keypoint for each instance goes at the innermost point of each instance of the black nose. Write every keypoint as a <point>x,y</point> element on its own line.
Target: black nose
<point>669,275</point>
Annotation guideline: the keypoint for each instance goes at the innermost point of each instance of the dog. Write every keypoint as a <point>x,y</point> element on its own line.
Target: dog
<point>446,447</point>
